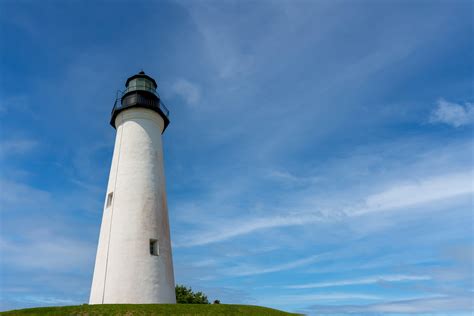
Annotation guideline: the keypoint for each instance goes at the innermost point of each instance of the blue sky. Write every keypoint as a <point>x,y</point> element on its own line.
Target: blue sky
<point>319,157</point>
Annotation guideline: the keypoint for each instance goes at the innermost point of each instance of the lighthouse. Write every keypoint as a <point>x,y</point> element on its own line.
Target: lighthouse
<point>134,262</point>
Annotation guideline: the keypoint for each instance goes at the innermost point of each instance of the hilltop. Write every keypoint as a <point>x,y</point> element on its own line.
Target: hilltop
<point>151,309</point>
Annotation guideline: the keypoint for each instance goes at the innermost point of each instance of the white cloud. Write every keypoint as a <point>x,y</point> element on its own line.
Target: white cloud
<point>17,146</point>
<point>436,305</point>
<point>12,197</point>
<point>51,240</point>
<point>334,297</point>
<point>320,297</point>
<point>452,113</point>
<point>396,197</point>
<point>221,39</point>
<point>248,226</point>
<point>369,280</point>
<point>189,91</point>
<point>426,190</point>
<point>289,178</point>
<point>46,300</point>
<point>42,250</point>
<point>205,263</point>
<point>243,270</point>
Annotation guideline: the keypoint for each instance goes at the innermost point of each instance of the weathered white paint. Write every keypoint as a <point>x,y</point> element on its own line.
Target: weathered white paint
<point>125,271</point>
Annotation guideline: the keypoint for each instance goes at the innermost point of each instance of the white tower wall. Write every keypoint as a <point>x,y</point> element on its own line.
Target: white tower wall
<point>125,270</point>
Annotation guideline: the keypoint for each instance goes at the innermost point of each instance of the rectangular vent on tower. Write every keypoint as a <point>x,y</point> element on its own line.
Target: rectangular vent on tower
<point>109,199</point>
<point>154,251</point>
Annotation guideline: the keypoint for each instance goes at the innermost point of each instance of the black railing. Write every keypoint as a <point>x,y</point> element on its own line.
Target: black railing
<point>164,109</point>
<point>120,94</point>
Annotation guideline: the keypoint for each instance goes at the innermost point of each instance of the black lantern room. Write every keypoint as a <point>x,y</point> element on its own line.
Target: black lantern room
<point>140,92</point>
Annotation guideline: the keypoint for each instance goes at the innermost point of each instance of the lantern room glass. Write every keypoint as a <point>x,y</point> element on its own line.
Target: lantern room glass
<point>140,84</point>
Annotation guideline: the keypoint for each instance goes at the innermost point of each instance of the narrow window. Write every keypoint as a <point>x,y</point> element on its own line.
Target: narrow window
<point>109,199</point>
<point>154,251</point>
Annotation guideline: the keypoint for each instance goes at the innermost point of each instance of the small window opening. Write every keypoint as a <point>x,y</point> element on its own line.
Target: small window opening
<point>109,199</point>
<point>154,251</point>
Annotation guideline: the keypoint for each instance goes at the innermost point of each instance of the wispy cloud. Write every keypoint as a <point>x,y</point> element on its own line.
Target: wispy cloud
<point>205,263</point>
<point>322,297</point>
<point>432,305</point>
<point>369,280</point>
<point>395,197</point>
<point>453,114</point>
<point>243,270</point>
<point>420,191</point>
<point>243,227</point>
<point>289,178</point>
<point>17,146</point>
<point>45,244</point>
<point>42,250</point>
<point>221,42</point>
<point>190,92</point>
<point>12,196</point>
<point>46,300</point>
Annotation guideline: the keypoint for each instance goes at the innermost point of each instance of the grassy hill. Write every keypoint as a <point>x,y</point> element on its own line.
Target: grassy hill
<point>151,309</point>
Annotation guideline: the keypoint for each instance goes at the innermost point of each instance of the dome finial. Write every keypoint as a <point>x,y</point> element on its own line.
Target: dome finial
<point>141,72</point>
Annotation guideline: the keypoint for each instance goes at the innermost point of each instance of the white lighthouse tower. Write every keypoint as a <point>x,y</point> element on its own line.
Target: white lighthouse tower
<point>134,262</point>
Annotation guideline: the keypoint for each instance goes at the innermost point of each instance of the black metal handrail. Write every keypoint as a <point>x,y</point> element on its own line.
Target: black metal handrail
<point>120,94</point>
<point>164,109</point>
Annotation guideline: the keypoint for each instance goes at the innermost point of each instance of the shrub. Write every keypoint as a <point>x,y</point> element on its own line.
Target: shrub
<point>185,295</point>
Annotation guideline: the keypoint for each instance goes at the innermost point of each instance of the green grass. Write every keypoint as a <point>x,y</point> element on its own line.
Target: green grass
<point>150,309</point>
